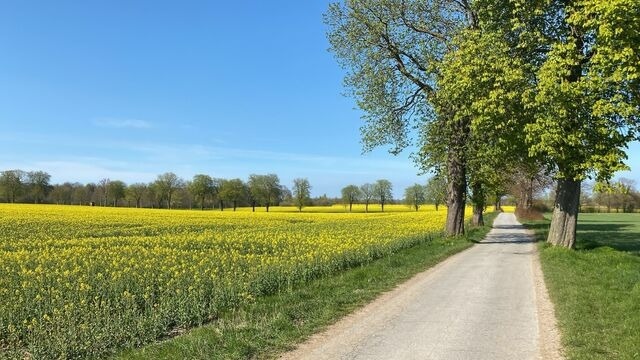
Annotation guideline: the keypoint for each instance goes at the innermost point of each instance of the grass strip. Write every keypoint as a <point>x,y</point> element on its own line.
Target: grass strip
<point>596,288</point>
<point>276,323</point>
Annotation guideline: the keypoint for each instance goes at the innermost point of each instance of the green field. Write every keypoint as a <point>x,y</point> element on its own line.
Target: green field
<point>596,289</point>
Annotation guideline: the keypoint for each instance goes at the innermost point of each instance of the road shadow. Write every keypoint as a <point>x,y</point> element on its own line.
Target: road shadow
<point>517,238</point>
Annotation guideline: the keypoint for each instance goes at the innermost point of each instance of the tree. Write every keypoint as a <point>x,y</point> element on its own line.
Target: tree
<point>61,193</point>
<point>392,50</point>
<point>436,190</point>
<point>39,184</point>
<point>167,184</point>
<point>117,190</point>
<point>136,192</point>
<point>12,184</point>
<point>351,194</point>
<point>200,187</point>
<point>233,190</point>
<point>368,191</point>
<point>527,181</point>
<point>586,100</point>
<point>414,196</point>
<point>382,190</point>
<point>80,194</point>
<point>103,188</point>
<point>264,189</point>
<point>301,192</point>
<point>217,185</point>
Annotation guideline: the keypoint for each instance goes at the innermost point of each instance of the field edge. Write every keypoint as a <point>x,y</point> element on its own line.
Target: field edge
<point>277,323</point>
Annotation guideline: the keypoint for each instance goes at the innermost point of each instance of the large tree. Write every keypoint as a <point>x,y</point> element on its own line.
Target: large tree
<point>12,184</point>
<point>117,191</point>
<point>201,187</point>
<point>265,189</point>
<point>351,194</point>
<point>587,100</point>
<point>436,190</point>
<point>39,184</point>
<point>414,196</point>
<point>233,190</point>
<point>166,185</point>
<point>301,192</point>
<point>368,192</point>
<point>383,191</point>
<point>136,192</point>
<point>392,50</point>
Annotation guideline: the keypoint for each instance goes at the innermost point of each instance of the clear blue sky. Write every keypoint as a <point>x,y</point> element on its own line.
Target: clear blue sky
<point>131,89</point>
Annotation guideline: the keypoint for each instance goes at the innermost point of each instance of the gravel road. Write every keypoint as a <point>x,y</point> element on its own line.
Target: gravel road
<point>488,302</point>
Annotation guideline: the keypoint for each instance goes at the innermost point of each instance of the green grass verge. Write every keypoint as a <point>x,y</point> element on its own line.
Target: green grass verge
<point>276,323</point>
<point>596,288</point>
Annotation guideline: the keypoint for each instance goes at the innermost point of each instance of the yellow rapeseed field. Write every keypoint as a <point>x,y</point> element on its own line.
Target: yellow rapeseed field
<point>83,281</point>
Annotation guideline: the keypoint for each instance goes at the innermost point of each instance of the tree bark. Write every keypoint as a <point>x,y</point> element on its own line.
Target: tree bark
<point>478,204</point>
<point>456,194</point>
<point>562,231</point>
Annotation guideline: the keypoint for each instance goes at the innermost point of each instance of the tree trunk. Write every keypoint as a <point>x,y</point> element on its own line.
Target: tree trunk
<point>350,206</point>
<point>478,219</point>
<point>234,205</point>
<point>221,205</point>
<point>366,207</point>
<point>382,204</point>
<point>562,231</point>
<point>478,199</point>
<point>456,194</point>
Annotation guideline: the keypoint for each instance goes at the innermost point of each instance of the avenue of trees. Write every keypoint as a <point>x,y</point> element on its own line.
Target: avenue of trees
<point>488,89</point>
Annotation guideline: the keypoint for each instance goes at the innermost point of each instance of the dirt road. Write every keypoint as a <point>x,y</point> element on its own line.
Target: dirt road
<point>488,302</point>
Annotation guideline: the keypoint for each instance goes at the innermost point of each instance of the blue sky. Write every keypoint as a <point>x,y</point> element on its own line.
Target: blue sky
<point>131,89</point>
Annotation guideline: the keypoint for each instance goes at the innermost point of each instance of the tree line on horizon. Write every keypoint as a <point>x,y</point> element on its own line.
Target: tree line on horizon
<point>206,192</point>
<point>203,191</point>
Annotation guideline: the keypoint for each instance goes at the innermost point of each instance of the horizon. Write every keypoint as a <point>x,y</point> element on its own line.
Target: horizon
<point>130,91</point>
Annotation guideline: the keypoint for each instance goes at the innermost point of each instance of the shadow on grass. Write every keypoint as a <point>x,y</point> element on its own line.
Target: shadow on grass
<point>593,234</point>
<point>620,236</point>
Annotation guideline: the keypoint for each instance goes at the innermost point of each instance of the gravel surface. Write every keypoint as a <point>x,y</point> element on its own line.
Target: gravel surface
<point>488,302</point>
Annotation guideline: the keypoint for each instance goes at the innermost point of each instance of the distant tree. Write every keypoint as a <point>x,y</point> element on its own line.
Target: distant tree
<point>103,189</point>
<point>218,183</point>
<point>116,191</point>
<point>351,194</point>
<point>39,185</point>
<point>155,195</point>
<point>201,187</point>
<point>136,192</point>
<point>92,190</point>
<point>12,184</point>
<point>436,190</point>
<point>368,192</point>
<point>80,194</point>
<point>167,184</point>
<point>414,196</point>
<point>301,192</point>
<point>382,189</point>
<point>61,193</point>
<point>265,189</point>
<point>234,191</point>
<point>527,182</point>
